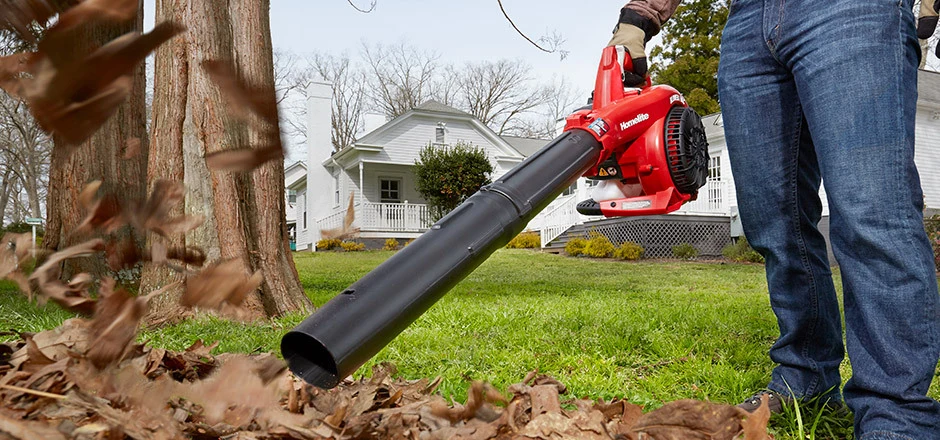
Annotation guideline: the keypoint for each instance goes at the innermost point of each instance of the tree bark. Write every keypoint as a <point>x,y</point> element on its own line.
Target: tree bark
<point>100,157</point>
<point>244,211</point>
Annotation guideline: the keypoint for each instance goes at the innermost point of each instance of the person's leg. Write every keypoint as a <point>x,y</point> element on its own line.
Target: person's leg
<point>777,183</point>
<point>855,68</point>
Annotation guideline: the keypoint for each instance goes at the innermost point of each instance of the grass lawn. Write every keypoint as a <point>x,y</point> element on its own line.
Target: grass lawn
<point>649,332</point>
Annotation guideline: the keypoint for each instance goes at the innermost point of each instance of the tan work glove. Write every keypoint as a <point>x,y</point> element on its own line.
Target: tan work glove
<point>927,23</point>
<point>633,40</point>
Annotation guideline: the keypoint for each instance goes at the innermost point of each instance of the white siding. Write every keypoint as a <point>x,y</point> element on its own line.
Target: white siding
<point>375,172</point>
<point>927,153</point>
<point>402,143</point>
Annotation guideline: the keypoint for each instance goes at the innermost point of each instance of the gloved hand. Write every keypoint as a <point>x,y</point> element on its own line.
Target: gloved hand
<point>633,40</point>
<point>630,36</point>
<point>927,23</point>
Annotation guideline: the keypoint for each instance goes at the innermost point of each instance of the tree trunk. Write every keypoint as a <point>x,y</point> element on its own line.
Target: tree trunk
<point>244,211</point>
<point>101,156</point>
<point>4,194</point>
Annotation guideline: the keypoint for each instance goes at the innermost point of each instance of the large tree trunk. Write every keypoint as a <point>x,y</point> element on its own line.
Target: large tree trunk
<point>244,211</point>
<point>100,157</point>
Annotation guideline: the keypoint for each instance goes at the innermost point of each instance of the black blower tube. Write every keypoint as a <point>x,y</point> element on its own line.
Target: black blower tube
<point>353,326</point>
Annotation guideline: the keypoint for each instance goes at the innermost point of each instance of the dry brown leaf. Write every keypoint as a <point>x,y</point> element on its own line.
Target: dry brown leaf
<point>222,283</point>
<point>132,148</point>
<point>56,344</point>
<point>154,214</point>
<point>18,15</point>
<point>47,278</point>
<point>755,424</point>
<point>91,11</point>
<point>12,68</point>
<point>75,99</point>
<point>244,101</point>
<point>20,429</point>
<point>245,159</point>
<point>346,231</point>
<point>117,317</point>
<point>544,399</point>
<point>690,420</point>
<point>104,214</point>
<point>122,253</point>
<point>14,250</point>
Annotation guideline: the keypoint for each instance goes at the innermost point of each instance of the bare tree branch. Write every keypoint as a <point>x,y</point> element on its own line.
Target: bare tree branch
<point>553,41</point>
<point>364,11</point>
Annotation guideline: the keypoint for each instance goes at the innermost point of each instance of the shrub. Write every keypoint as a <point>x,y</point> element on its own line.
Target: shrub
<point>446,176</point>
<point>526,240</point>
<point>391,244</point>
<point>685,251</point>
<point>629,251</point>
<point>575,246</point>
<point>598,246</point>
<point>351,246</point>
<point>328,244</point>
<point>742,252</point>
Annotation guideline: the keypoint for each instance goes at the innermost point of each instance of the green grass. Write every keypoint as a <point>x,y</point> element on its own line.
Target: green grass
<point>649,332</point>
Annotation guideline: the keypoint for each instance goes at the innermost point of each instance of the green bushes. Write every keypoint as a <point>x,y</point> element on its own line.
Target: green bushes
<point>741,252</point>
<point>685,251</point>
<point>598,246</point>
<point>575,246</point>
<point>526,240</point>
<point>629,251</point>
<point>351,246</point>
<point>328,244</point>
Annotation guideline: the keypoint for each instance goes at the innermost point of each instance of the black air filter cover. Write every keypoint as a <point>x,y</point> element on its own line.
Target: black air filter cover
<point>686,149</point>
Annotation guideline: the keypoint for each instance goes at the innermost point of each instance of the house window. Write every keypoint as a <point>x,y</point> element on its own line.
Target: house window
<point>336,190</point>
<point>305,220</point>
<point>291,196</point>
<point>390,190</point>
<point>714,168</point>
<point>440,134</point>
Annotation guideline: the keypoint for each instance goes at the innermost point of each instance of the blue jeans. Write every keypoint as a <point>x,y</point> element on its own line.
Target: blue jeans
<point>817,91</point>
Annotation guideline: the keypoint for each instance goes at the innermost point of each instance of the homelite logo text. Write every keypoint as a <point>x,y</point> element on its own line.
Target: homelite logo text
<point>639,118</point>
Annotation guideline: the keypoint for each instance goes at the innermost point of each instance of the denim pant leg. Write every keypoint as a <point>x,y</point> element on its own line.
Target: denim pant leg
<point>856,82</point>
<point>777,182</point>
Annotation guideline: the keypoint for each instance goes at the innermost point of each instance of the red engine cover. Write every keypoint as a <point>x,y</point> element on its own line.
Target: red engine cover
<point>630,125</point>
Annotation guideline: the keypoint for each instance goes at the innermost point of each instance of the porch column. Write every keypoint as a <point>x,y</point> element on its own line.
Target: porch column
<point>361,187</point>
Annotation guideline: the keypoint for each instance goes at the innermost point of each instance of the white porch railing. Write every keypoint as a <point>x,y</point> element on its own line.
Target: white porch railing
<point>558,219</point>
<point>394,217</point>
<point>382,217</point>
<point>712,200</point>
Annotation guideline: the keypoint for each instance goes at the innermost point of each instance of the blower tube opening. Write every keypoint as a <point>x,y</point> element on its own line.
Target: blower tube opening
<point>309,359</point>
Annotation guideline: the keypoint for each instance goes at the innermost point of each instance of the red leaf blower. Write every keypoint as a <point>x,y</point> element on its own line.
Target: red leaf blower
<point>645,146</point>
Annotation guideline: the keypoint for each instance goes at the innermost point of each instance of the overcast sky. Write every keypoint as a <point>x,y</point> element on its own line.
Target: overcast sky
<point>458,30</point>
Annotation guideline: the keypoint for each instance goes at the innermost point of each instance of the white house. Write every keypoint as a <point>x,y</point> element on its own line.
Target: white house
<point>295,182</point>
<point>376,170</point>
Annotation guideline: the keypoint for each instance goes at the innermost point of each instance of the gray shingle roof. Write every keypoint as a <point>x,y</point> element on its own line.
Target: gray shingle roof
<point>434,106</point>
<point>526,146</point>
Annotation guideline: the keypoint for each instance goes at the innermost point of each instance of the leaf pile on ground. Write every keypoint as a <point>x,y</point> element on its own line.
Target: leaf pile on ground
<point>51,388</point>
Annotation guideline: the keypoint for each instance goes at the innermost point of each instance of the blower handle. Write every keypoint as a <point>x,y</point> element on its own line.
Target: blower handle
<point>609,84</point>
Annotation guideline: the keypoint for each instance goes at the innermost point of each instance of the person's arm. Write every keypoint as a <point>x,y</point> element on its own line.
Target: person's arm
<point>639,21</point>
<point>651,13</point>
